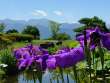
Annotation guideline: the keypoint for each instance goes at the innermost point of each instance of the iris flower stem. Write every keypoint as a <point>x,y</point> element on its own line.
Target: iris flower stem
<point>94,63</point>
<point>61,72</point>
<point>101,56</point>
<point>57,80</point>
<point>93,58</point>
<point>34,77</point>
<point>50,80</point>
<point>75,73</point>
<point>90,74</point>
<point>67,78</point>
<point>87,54</point>
<point>102,60</point>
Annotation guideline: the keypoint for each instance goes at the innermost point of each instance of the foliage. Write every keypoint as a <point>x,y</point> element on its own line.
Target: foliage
<point>91,23</point>
<point>15,37</point>
<point>12,31</point>
<point>21,37</point>
<point>79,29</point>
<point>62,36</point>
<point>70,43</point>
<point>54,26</point>
<point>1,73</point>
<point>6,57</point>
<point>2,27</point>
<point>4,42</point>
<point>32,30</point>
<point>52,50</point>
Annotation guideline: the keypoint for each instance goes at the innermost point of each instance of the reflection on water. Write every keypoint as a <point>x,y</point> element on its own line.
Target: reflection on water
<point>28,78</point>
<point>52,77</point>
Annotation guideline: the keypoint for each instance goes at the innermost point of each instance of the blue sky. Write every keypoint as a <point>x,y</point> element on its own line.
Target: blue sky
<point>58,10</point>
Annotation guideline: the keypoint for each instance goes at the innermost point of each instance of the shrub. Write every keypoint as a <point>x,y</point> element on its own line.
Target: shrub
<point>47,45</point>
<point>20,37</point>
<point>4,42</point>
<point>7,58</point>
<point>32,30</point>
<point>62,36</point>
<point>12,31</point>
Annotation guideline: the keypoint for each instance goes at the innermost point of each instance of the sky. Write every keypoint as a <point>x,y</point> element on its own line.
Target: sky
<point>57,10</point>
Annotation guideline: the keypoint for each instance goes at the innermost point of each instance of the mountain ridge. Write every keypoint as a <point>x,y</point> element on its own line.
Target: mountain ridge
<point>41,24</point>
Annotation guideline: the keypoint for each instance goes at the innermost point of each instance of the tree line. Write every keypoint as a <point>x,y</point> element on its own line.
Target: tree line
<point>34,31</point>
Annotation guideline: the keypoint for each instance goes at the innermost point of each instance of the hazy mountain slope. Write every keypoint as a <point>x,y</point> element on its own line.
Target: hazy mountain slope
<point>41,24</point>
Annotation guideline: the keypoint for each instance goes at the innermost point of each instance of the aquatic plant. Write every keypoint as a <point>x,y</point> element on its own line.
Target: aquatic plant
<point>34,57</point>
<point>94,40</point>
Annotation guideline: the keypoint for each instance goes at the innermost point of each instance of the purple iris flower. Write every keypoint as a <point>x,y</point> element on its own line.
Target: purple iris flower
<point>29,54</point>
<point>80,38</point>
<point>25,63</point>
<point>70,58</point>
<point>41,60</point>
<point>64,58</point>
<point>17,54</point>
<point>101,38</point>
<point>95,37</point>
<point>25,54</point>
<point>105,39</point>
<point>44,58</point>
<point>88,33</point>
<point>51,63</point>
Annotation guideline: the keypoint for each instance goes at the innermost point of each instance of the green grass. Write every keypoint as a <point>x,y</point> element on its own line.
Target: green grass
<point>18,45</point>
<point>69,43</point>
<point>37,42</point>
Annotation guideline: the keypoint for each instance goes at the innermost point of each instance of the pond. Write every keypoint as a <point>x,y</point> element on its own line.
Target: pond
<point>52,77</point>
<point>27,77</point>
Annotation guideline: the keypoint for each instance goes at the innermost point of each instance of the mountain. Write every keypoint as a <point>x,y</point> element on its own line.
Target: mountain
<point>68,28</point>
<point>41,24</point>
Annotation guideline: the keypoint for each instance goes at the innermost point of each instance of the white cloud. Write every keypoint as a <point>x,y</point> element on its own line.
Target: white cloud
<point>58,13</point>
<point>39,13</point>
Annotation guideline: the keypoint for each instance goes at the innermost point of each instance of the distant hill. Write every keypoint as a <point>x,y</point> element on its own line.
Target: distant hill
<point>41,24</point>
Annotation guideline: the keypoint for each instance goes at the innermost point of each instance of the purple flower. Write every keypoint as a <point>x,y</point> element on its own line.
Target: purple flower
<point>25,63</point>
<point>105,39</point>
<point>51,63</point>
<point>80,38</point>
<point>42,61</point>
<point>66,59</point>
<point>17,54</point>
<point>25,54</point>
<point>94,38</point>
<point>88,33</point>
<point>29,54</point>
<point>63,58</point>
<point>22,63</point>
<point>44,58</point>
<point>70,58</point>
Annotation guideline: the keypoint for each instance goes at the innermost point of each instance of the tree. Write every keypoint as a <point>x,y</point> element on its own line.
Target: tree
<point>2,27</point>
<point>54,28</point>
<point>12,31</point>
<point>79,29</point>
<point>62,36</point>
<point>92,23</point>
<point>32,30</point>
